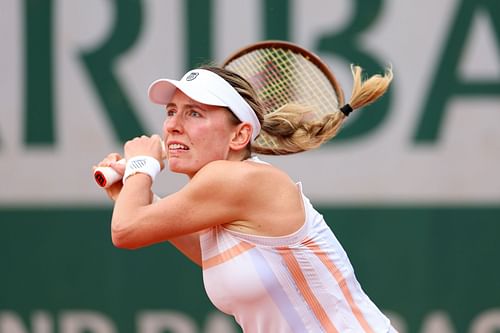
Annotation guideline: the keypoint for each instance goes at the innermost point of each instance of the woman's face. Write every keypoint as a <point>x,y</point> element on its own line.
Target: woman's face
<point>195,134</point>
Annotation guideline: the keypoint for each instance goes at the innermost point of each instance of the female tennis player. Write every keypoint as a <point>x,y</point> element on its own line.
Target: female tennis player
<point>268,257</point>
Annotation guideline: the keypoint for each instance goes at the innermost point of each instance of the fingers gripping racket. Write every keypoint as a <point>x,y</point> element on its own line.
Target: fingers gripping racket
<point>282,74</point>
<point>107,176</point>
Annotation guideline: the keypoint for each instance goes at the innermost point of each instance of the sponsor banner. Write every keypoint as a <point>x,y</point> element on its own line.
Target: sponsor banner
<point>75,76</point>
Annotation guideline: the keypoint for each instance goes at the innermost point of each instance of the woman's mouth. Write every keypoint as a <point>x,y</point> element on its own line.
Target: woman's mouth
<point>177,147</point>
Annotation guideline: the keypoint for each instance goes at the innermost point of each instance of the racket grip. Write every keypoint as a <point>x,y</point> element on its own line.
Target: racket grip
<point>107,176</point>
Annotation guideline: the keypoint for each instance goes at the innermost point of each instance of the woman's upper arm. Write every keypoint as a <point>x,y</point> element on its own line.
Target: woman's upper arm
<point>214,196</point>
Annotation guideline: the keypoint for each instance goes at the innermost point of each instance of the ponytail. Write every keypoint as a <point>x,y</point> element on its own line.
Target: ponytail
<point>288,131</point>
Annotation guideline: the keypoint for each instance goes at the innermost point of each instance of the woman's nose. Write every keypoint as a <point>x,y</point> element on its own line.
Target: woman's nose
<point>172,124</point>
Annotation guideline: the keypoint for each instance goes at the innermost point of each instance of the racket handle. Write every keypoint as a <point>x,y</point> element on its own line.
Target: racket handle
<point>107,176</point>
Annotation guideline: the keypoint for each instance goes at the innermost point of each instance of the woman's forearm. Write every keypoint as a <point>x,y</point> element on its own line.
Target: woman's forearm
<point>128,212</point>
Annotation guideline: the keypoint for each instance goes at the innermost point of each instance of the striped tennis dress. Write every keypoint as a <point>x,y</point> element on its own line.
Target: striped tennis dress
<point>302,282</point>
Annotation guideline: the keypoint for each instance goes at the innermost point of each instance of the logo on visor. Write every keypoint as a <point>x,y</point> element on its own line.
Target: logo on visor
<point>192,76</point>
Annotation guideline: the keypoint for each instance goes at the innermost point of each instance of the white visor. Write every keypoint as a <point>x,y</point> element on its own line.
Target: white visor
<point>207,88</point>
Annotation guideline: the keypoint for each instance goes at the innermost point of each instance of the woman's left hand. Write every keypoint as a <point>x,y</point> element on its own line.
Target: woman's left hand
<point>144,145</point>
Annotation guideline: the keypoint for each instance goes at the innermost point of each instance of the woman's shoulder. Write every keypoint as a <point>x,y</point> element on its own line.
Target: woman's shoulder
<point>241,170</point>
<point>256,189</point>
<point>241,174</point>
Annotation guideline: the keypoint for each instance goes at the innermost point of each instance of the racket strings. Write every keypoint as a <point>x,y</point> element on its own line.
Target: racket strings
<point>311,85</point>
<point>283,78</point>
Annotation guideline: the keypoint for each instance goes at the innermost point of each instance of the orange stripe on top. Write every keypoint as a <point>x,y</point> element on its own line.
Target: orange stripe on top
<point>227,255</point>
<point>341,282</point>
<point>305,290</point>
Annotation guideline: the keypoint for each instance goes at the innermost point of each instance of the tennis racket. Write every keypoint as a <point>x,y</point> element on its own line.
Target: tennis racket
<point>285,74</point>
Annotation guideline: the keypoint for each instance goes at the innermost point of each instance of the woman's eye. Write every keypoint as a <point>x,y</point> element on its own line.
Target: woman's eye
<point>195,114</point>
<point>170,113</point>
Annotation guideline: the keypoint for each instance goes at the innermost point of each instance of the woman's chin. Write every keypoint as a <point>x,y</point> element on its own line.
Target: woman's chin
<point>176,166</point>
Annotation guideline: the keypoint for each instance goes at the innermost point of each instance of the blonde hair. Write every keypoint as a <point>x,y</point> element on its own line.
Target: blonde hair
<point>290,127</point>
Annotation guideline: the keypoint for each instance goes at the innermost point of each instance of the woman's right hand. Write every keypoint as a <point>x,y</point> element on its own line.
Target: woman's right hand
<point>111,161</point>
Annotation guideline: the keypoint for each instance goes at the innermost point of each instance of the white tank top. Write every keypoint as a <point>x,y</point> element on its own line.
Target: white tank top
<point>302,282</point>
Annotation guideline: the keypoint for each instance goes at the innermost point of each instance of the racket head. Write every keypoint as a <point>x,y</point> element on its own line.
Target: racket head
<point>284,74</point>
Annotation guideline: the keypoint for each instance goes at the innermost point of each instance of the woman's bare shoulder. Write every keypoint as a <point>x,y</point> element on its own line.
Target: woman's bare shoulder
<point>243,173</point>
<point>248,191</point>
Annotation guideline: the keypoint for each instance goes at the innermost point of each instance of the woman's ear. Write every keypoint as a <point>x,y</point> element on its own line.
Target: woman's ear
<point>241,136</point>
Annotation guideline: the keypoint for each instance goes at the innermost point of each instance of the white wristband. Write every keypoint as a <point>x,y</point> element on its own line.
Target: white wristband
<point>142,164</point>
